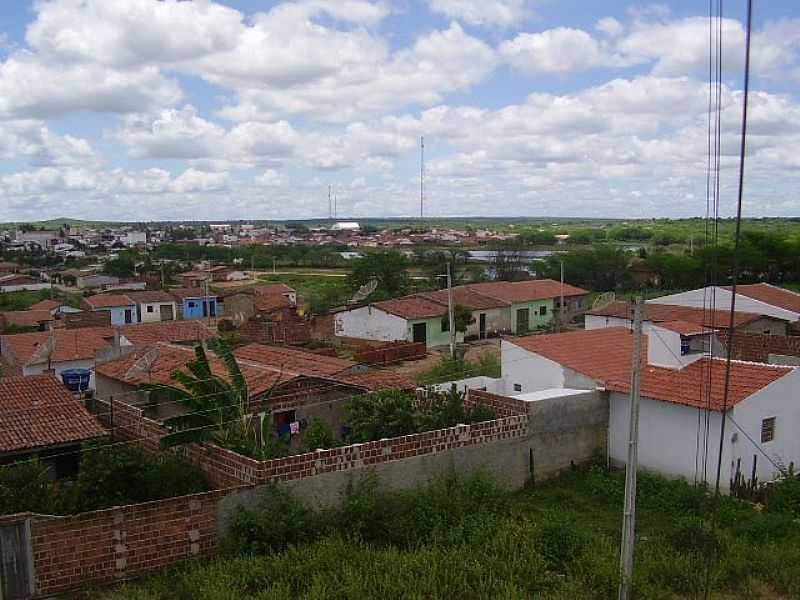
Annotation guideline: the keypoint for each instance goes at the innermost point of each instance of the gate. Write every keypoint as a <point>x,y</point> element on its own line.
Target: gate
<point>16,561</point>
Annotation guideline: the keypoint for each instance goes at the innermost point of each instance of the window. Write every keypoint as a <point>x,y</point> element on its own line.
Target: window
<point>191,304</point>
<point>542,310</point>
<point>445,324</point>
<point>149,308</point>
<point>517,387</point>
<point>767,430</point>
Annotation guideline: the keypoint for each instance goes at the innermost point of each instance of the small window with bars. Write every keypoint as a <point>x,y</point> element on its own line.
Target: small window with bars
<point>517,387</point>
<point>767,430</point>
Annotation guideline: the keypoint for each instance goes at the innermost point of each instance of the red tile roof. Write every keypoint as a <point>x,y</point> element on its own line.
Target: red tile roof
<point>270,303</point>
<point>771,294</point>
<point>293,361</point>
<point>108,301</point>
<point>9,280</point>
<point>272,289</point>
<point>378,379</point>
<point>70,344</point>
<point>150,297</point>
<point>47,305</point>
<point>657,313</point>
<point>683,327</point>
<point>170,358</point>
<point>605,355</point>
<point>526,291</point>
<point>183,293</point>
<point>38,411</point>
<point>178,332</point>
<point>467,297</point>
<point>413,307</point>
<point>25,318</point>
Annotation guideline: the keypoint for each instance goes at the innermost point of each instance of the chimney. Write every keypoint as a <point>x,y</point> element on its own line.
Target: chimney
<point>676,344</point>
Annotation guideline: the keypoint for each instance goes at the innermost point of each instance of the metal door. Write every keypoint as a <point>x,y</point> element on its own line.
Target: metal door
<point>523,319</point>
<point>16,577</point>
<point>482,326</point>
<point>420,333</point>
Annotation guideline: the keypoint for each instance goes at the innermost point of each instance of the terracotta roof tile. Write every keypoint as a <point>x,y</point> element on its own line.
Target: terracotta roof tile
<point>150,297</point>
<point>657,313</point>
<point>293,361</point>
<point>25,318</point>
<point>683,327</point>
<point>605,355</point>
<point>177,332</point>
<point>38,411</point>
<point>526,291</point>
<point>269,303</point>
<point>47,305</point>
<point>378,379</point>
<point>108,301</point>
<point>467,297</point>
<point>771,294</point>
<point>184,293</point>
<point>70,344</point>
<point>413,307</point>
<point>169,358</point>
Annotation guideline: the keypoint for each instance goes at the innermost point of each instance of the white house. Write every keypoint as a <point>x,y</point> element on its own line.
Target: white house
<point>620,314</point>
<point>153,306</point>
<point>682,395</point>
<point>760,298</point>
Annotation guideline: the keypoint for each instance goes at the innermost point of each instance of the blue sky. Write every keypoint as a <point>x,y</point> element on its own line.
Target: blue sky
<point>146,109</point>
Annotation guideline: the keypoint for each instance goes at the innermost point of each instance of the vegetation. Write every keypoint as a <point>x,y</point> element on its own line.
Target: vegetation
<point>449,369</point>
<point>123,266</point>
<point>108,476</point>
<point>392,413</point>
<point>219,408</point>
<point>389,269</point>
<point>22,300</point>
<point>319,435</point>
<point>467,538</point>
<point>320,292</point>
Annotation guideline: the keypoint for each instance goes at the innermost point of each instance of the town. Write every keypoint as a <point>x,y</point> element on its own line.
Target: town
<point>373,299</point>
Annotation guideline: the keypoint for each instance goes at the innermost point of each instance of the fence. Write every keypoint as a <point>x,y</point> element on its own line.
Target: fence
<point>391,353</point>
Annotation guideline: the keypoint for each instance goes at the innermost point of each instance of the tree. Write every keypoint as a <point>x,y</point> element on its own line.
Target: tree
<point>462,317</point>
<point>124,266</point>
<point>389,269</point>
<point>509,263</point>
<point>219,408</point>
<point>384,414</point>
<point>601,267</point>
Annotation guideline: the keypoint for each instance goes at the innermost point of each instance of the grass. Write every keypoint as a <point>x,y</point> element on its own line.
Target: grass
<point>469,539</point>
<point>314,288</point>
<point>22,300</point>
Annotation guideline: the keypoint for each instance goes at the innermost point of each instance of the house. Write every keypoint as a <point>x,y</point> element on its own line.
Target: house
<point>682,398</point>
<point>8,267</point>
<point>193,303</point>
<point>497,307</point>
<point>45,239</point>
<point>194,279</point>
<point>262,301</point>
<point>153,306</point>
<point>759,298</point>
<point>41,419</point>
<point>25,319</point>
<point>295,391</point>
<point>122,308</point>
<point>58,350</point>
<point>173,332</point>
<point>19,283</point>
<point>620,314</point>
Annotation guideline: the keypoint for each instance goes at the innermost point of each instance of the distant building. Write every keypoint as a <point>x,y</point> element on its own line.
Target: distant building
<point>345,226</point>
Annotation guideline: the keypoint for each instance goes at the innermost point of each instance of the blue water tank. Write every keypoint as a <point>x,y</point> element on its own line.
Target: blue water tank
<point>76,380</point>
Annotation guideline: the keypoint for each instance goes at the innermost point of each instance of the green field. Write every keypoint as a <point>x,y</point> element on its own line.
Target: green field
<point>469,539</point>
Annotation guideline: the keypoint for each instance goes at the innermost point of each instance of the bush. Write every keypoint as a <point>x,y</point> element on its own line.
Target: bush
<point>319,435</point>
<point>27,486</point>
<point>447,409</point>
<point>561,543</point>
<point>451,369</point>
<point>384,414</point>
<point>784,498</point>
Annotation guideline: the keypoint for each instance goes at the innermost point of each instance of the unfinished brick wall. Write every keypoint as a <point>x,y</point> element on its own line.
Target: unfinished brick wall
<point>109,545</point>
<point>503,406</point>
<point>757,347</point>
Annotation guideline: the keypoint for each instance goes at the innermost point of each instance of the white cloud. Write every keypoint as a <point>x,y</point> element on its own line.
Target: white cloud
<point>559,50</point>
<point>610,26</point>
<point>33,141</point>
<point>501,13</point>
<point>192,180</point>
<point>272,178</point>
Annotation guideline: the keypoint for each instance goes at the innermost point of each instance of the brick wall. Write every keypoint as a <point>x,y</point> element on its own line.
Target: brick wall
<point>757,347</point>
<point>503,406</point>
<point>109,545</point>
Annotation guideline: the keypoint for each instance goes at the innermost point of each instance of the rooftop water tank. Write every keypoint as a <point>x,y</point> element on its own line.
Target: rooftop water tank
<point>76,380</point>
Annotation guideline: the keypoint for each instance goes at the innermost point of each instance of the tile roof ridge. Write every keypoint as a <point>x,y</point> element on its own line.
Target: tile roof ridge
<point>753,363</point>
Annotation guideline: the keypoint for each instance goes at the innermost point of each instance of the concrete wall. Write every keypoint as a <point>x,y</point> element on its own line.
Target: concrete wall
<point>118,314</point>
<point>371,323</point>
<point>62,366</point>
<point>780,400</point>
<point>497,320</point>
<point>151,312</point>
<point>488,384</point>
<point>527,370</point>
<point>535,318</point>
<point>434,336</point>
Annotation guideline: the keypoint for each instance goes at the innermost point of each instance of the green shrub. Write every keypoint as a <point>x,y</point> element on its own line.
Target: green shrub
<point>384,414</point>
<point>784,498</point>
<point>319,435</point>
<point>27,486</point>
<point>561,543</point>
<point>451,369</point>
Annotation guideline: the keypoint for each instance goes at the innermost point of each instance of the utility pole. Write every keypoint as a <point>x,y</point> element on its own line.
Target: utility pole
<point>330,209</point>
<point>335,206</point>
<point>421,174</point>
<point>450,315</point>
<point>561,301</point>
<point>629,514</point>
<point>207,301</point>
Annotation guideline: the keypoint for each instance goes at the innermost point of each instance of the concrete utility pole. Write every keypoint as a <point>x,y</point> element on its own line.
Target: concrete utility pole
<point>207,301</point>
<point>421,174</point>
<point>561,305</point>
<point>629,515</point>
<point>450,315</point>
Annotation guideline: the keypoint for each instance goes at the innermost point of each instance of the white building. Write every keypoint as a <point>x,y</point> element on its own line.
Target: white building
<point>682,395</point>
<point>760,298</point>
<point>153,306</point>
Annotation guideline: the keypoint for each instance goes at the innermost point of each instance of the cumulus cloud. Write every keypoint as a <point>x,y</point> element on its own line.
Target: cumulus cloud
<point>500,13</point>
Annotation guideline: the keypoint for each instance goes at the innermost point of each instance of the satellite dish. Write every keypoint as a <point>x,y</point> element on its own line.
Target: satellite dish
<point>144,364</point>
<point>604,300</point>
<point>364,291</point>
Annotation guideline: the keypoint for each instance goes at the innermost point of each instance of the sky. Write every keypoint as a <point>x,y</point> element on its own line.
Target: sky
<point>137,110</point>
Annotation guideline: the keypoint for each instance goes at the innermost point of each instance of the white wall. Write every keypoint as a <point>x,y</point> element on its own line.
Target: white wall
<point>31,287</point>
<point>489,384</point>
<point>600,322</point>
<point>531,371</point>
<point>668,439</point>
<point>697,298</point>
<point>370,323</point>
<point>155,316</point>
<point>62,366</point>
<point>780,400</point>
